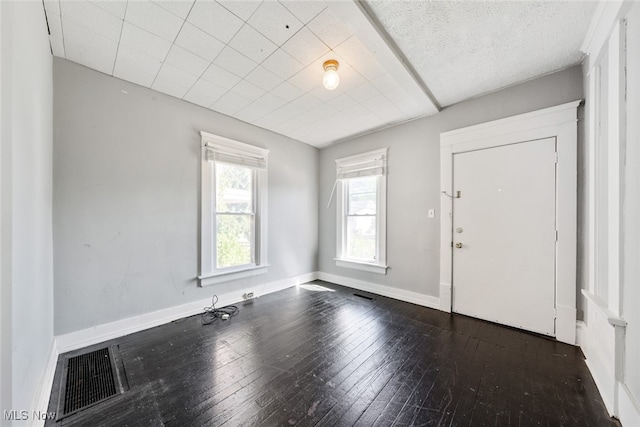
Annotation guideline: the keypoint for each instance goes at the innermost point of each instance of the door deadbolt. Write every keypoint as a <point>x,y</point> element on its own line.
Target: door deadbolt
<point>458,245</point>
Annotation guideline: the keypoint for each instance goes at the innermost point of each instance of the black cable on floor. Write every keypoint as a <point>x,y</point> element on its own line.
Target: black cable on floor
<point>211,314</point>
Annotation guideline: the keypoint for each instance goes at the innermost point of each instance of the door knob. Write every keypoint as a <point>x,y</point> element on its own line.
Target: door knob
<point>458,245</point>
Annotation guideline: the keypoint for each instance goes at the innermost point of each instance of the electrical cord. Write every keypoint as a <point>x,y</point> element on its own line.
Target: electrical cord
<point>211,314</point>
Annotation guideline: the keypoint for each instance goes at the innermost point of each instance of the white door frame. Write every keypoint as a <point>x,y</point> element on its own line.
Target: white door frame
<point>558,122</point>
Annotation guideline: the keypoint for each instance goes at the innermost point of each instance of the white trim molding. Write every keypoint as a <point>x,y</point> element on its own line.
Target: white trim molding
<point>559,122</point>
<point>602,342</point>
<point>216,149</point>
<point>41,398</point>
<point>119,328</point>
<point>387,291</point>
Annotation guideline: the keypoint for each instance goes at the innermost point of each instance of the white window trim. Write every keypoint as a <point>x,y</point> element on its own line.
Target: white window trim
<point>379,267</point>
<point>209,275</point>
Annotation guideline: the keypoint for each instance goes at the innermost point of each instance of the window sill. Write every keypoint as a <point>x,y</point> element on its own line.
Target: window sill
<point>229,275</point>
<point>363,266</point>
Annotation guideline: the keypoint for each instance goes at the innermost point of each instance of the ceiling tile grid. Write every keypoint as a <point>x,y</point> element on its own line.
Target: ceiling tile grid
<point>258,61</point>
<point>261,61</point>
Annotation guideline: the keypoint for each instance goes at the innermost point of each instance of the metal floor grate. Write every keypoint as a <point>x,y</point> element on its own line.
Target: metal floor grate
<point>90,379</point>
<point>365,297</point>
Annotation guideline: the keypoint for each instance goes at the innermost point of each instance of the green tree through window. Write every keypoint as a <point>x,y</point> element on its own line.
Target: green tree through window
<point>235,215</point>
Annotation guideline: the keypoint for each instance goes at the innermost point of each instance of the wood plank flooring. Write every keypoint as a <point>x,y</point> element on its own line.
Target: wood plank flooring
<point>303,357</point>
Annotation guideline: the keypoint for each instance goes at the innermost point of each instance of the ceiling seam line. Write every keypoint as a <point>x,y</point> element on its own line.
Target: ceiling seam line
<point>375,23</point>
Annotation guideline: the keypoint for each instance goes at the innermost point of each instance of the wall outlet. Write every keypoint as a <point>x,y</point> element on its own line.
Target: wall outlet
<point>249,295</point>
<point>432,213</point>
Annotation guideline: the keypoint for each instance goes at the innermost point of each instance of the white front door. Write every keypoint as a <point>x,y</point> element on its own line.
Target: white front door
<point>504,235</point>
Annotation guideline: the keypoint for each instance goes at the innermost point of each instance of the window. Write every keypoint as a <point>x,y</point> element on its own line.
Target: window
<point>233,223</point>
<point>361,205</point>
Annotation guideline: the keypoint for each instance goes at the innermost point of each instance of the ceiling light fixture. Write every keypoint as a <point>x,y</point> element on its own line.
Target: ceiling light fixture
<point>331,78</point>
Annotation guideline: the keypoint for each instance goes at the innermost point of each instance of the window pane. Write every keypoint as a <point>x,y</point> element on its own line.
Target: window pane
<point>361,237</point>
<point>234,188</point>
<point>362,196</point>
<point>234,237</point>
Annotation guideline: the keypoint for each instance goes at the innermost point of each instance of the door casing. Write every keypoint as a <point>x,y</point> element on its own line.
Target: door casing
<point>558,122</point>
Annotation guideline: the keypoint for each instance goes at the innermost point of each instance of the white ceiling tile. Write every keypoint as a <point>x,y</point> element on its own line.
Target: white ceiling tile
<point>248,90</point>
<point>153,18</point>
<point>88,48</point>
<point>287,91</point>
<point>263,78</point>
<point>353,51</point>
<point>370,68</point>
<point>364,92</point>
<point>252,112</point>
<point>52,8</point>
<point>309,78</point>
<point>230,103</point>
<point>186,61</point>
<point>197,41</point>
<point>173,81</point>
<point>383,108</point>
<point>204,93</point>
<point>357,112</point>
<point>289,111</point>
<point>211,17</point>
<point>305,47</point>
<point>252,44</point>
<point>114,7</point>
<point>305,11</point>
<point>282,64</point>
<point>92,17</point>
<point>385,83</point>
<point>235,62</point>
<point>275,22</point>
<point>136,67</point>
<point>242,9</point>
<point>342,102</point>
<point>144,42</point>
<point>306,102</point>
<point>325,95</point>
<point>329,28</point>
<point>179,8</point>
<point>220,77</point>
<point>272,101</point>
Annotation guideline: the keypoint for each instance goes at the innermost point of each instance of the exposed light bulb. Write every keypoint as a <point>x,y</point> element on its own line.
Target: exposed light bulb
<point>331,78</point>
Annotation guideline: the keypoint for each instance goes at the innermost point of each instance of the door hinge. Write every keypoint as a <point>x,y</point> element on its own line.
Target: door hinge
<point>556,235</point>
<point>556,157</point>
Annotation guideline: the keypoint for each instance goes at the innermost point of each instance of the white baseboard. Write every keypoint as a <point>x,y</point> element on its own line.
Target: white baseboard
<point>566,324</point>
<point>120,328</point>
<point>399,294</point>
<point>41,398</point>
<point>580,332</point>
<point>445,297</point>
<point>629,407</point>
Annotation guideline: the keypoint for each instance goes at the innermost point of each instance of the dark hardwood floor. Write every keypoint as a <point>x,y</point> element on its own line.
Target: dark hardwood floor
<point>303,357</point>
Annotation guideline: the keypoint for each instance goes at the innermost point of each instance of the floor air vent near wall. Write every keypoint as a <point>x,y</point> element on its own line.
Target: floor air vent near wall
<point>89,379</point>
<point>365,297</point>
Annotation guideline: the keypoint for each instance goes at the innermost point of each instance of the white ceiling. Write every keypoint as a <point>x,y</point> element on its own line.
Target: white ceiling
<point>462,49</point>
<point>261,61</point>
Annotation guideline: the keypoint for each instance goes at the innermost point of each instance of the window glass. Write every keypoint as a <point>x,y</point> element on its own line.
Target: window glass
<point>234,216</point>
<point>361,238</point>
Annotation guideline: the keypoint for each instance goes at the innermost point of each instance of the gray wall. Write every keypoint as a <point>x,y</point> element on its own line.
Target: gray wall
<point>126,192</point>
<point>26,227</point>
<point>414,176</point>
